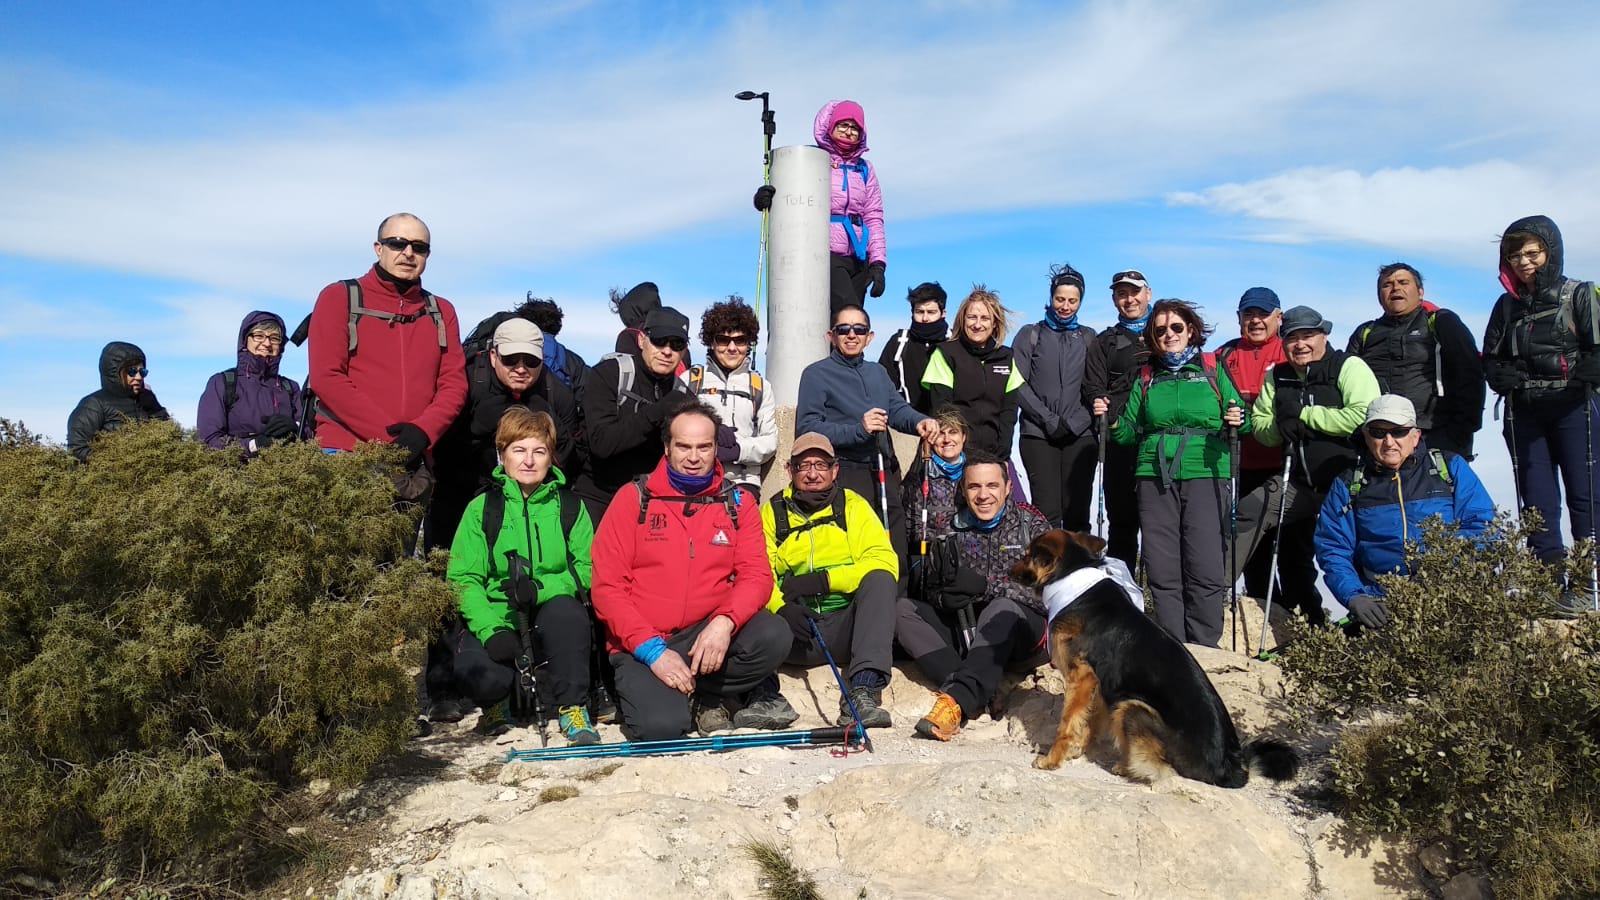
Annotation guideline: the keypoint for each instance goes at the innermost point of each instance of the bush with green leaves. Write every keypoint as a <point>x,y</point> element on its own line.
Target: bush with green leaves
<point>183,636</point>
<point>1486,722</point>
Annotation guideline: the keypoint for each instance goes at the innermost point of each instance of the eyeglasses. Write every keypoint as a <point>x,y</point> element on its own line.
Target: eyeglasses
<point>1378,432</point>
<point>399,245</point>
<point>846,330</point>
<point>1174,327</point>
<point>737,340</point>
<point>1529,255</point>
<point>811,465</point>
<point>675,344</point>
<point>847,125</point>
<point>136,373</point>
<point>521,361</point>
<point>275,340</point>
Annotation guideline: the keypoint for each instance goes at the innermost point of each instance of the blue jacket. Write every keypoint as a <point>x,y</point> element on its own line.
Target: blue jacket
<point>835,393</point>
<point>1359,538</point>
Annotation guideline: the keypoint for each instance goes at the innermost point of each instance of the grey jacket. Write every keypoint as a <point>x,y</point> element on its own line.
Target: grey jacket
<point>1051,363</point>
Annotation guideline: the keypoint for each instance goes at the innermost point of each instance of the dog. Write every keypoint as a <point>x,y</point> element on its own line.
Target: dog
<point>1126,675</point>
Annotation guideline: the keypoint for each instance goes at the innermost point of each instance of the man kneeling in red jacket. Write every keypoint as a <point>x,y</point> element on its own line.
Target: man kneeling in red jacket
<point>681,579</point>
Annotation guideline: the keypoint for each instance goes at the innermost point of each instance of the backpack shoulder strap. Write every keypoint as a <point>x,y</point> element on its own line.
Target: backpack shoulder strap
<point>639,482</point>
<point>353,291</point>
<point>1208,362</point>
<point>697,377</point>
<point>757,384</point>
<point>494,515</point>
<point>431,304</point>
<point>1440,467</point>
<point>625,376</point>
<point>780,520</point>
<point>1033,343</point>
<point>230,391</point>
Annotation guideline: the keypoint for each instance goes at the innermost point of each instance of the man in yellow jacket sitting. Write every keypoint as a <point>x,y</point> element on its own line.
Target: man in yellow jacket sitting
<point>835,566</point>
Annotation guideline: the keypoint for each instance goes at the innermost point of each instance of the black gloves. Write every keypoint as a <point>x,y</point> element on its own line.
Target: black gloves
<point>279,427</point>
<point>764,195</point>
<point>799,616</point>
<point>1502,376</point>
<point>1587,369</point>
<point>1293,431</point>
<point>963,590</point>
<point>503,647</point>
<point>411,439</point>
<point>727,445</point>
<point>811,584</point>
<point>875,272</point>
<point>1369,611</point>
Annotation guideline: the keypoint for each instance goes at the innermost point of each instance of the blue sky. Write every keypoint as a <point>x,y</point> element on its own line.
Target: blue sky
<point>170,166</point>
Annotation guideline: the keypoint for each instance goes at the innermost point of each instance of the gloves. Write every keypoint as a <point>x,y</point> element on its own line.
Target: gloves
<point>411,439</point>
<point>799,616</point>
<point>277,427</point>
<point>875,272</point>
<point>963,590</point>
<point>503,647</point>
<point>1587,369</point>
<point>764,195</point>
<point>811,584</point>
<point>1293,431</point>
<point>1502,376</point>
<point>1287,406</point>
<point>1369,611</point>
<point>727,445</point>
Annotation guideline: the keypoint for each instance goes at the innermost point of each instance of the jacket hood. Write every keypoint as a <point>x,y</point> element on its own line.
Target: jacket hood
<point>833,112</point>
<point>249,362</point>
<point>1549,274</point>
<point>638,302</point>
<point>115,357</point>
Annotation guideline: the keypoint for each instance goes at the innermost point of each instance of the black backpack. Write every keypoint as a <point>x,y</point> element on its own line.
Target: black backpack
<point>780,518</point>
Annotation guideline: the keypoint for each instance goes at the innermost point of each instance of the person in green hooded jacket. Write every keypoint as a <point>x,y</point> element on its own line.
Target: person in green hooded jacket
<point>487,645</point>
<point>1178,413</point>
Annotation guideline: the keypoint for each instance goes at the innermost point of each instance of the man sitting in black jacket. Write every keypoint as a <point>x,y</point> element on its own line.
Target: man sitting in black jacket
<point>123,397</point>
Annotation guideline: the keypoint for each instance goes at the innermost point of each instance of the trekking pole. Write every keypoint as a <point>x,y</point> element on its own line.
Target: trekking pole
<point>1100,519</point>
<point>1277,542</point>
<point>1588,464</point>
<point>521,587</point>
<point>816,737</point>
<point>769,127</point>
<point>1511,431</point>
<point>1233,533</point>
<point>883,477</point>
<point>927,464</point>
<point>844,689</point>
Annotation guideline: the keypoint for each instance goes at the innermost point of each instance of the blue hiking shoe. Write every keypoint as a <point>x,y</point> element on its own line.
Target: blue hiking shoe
<point>575,726</point>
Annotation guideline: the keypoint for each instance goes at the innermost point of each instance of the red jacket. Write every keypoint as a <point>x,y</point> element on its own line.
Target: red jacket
<point>398,373</point>
<point>1247,368</point>
<point>654,579</point>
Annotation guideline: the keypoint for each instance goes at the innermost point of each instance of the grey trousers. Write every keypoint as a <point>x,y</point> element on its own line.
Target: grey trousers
<point>861,634</point>
<point>1184,533</point>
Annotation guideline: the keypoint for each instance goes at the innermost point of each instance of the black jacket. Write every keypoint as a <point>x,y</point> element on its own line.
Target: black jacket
<point>113,405</point>
<point>1553,348</point>
<point>622,432</point>
<point>1112,364</point>
<point>1430,358</point>
<point>906,371</point>
<point>979,392</point>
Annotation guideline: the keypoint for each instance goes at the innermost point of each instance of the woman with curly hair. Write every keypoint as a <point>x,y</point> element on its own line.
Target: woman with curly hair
<point>1058,439</point>
<point>1177,413</point>
<point>974,373</point>
<point>729,384</point>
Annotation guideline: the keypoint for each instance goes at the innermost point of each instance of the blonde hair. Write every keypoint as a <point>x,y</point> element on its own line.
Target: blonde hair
<point>520,423</point>
<point>981,294</point>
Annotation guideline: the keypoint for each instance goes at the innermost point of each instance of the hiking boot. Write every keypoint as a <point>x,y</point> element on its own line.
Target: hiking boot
<point>766,713</point>
<point>943,722</point>
<point>448,709</point>
<point>869,704</point>
<point>1570,605</point>
<point>602,706</point>
<point>575,726</point>
<point>496,719</point>
<point>710,716</point>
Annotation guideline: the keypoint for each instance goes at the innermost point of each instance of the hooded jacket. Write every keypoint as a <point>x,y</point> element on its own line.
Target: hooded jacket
<point>1051,365</point>
<point>983,383</point>
<point>729,394</point>
<point>259,391</point>
<point>114,405</point>
<point>1549,347</point>
<point>854,183</point>
<point>684,564</point>
<point>632,308</point>
<point>834,394</point>
<point>398,372</point>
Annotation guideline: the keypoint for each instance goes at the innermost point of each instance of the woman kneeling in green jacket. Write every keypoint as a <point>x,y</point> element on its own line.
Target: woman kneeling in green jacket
<point>1179,411</point>
<point>525,504</point>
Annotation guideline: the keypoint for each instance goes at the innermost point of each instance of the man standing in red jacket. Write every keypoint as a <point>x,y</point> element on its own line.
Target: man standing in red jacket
<point>681,579</point>
<point>385,355</point>
<point>1247,359</point>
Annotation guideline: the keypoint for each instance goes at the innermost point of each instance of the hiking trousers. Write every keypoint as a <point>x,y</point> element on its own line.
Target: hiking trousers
<point>1061,478</point>
<point>1185,533</point>
<point>848,279</point>
<point>860,634</point>
<point>651,711</point>
<point>561,646</point>
<point>1257,524</point>
<point>1122,503</point>
<point>1550,440</point>
<point>1008,636</point>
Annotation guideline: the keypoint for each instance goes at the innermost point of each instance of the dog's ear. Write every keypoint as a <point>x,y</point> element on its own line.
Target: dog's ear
<point>1039,564</point>
<point>1096,545</point>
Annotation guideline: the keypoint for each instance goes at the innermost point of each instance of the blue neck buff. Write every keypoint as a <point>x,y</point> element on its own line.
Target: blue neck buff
<point>1135,325</point>
<point>1175,360</point>
<point>968,520</point>
<point>689,485</point>
<point>950,470</point>
<point>1056,322</point>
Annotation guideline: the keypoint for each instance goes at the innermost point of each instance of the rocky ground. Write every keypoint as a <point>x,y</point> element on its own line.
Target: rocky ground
<point>916,818</point>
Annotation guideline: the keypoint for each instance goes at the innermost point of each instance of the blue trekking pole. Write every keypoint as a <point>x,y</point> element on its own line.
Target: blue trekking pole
<point>815,737</point>
<point>844,689</point>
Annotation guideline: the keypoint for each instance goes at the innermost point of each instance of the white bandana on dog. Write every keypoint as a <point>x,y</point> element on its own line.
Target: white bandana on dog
<point>1058,595</point>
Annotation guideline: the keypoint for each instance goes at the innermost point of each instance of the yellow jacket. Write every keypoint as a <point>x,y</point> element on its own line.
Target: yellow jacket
<point>847,551</point>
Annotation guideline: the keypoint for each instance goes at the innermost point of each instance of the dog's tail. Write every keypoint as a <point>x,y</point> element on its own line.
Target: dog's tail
<point>1271,759</point>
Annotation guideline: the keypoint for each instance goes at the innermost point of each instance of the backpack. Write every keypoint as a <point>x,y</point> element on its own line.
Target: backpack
<point>625,376</point>
<point>780,518</point>
<point>727,495</point>
<point>1208,362</point>
<point>1437,467</point>
<point>483,334</point>
<point>494,517</point>
<point>697,375</point>
<point>357,310</point>
<point>230,389</point>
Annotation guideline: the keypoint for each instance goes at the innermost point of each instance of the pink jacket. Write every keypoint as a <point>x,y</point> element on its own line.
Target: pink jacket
<point>855,184</point>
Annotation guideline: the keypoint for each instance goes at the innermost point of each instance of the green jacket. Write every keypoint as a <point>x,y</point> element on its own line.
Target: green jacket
<point>532,527</point>
<point>1177,402</point>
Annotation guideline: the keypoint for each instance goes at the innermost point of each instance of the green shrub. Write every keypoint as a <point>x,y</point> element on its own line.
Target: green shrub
<point>1488,724</point>
<point>182,636</point>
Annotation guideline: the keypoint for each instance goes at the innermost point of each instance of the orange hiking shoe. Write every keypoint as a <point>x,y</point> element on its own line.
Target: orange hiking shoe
<point>943,721</point>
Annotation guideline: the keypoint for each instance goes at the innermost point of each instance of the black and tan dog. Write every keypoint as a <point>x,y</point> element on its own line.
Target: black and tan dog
<point>1125,674</point>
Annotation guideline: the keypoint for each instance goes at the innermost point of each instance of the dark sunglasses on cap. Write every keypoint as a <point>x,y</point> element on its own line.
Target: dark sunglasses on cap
<point>521,361</point>
<point>1378,432</point>
<point>399,245</point>
<point>139,372</point>
<point>1131,273</point>
<point>857,329</point>
<point>675,344</point>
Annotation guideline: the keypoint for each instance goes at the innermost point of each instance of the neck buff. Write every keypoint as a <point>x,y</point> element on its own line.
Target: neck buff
<point>929,332</point>
<point>1176,360</point>
<point>689,485</point>
<point>809,502</point>
<point>969,519</point>
<point>950,470</point>
<point>1135,325</point>
<point>1056,322</point>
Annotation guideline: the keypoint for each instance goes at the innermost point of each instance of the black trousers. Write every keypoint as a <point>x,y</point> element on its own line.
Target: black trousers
<point>1007,636</point>
<point>861,635</point>
<point>561,652</point>
<point>1061,478</point>
<point>848,280</point>
<point>1122,503</point>
<point>652,711</point>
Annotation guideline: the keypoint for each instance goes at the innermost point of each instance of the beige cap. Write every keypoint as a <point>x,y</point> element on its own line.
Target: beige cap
<point>811,441</point>
<point>517,335</point>
<point>1392,408</point>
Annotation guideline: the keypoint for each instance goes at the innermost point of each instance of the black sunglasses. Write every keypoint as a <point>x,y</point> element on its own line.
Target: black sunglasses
<point>858,330</point>
<point>399,245</point>
<point>139,372</point>
<point>1378,432</point>
<point>675,344</point>
<point>521,360</point>
<point>1131,273</point>
<point>738,340</point>
<point>1175,328</point>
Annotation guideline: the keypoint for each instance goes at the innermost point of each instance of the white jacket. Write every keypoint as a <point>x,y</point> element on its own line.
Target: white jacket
<point>729,394</point>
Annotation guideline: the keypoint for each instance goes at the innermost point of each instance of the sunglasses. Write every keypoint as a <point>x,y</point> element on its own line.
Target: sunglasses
<point>675,344</point>
<point>136,373</point>
<point>1174,327</point>
<point>737,340</point>
<point>521,361</point>
<point>1378,433</point>
<point>399,245</point>
<point>1131,273</point>
<point>846,330</point>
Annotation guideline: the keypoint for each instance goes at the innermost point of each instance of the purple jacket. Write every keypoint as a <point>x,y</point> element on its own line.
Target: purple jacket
<point>259,392</point>
<point>855,186</point>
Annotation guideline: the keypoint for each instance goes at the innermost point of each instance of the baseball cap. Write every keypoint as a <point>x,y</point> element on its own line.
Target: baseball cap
<point>514,336</point>
<point>1392,408</point>
<point>1301,318</point>
<point>1259,298</point>
<point>809,441</point>
<point>1130,276</point>
<point>665,322</point>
